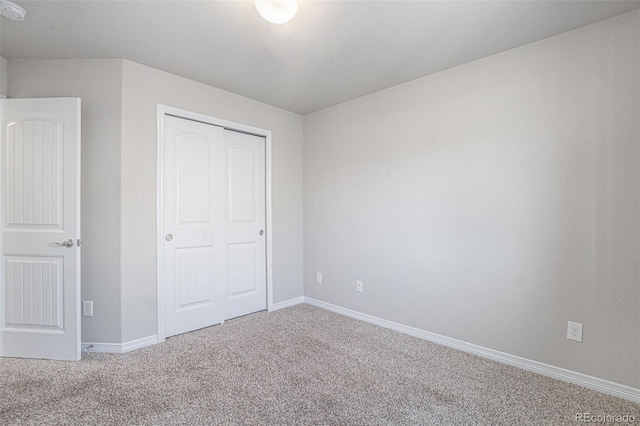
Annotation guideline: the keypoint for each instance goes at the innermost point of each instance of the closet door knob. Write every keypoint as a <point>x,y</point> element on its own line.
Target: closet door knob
<point>261,232</point>
<point>168,237</point>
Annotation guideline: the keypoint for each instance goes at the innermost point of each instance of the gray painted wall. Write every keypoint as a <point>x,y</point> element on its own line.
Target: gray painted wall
<point>3,76</point>
<point>99,84</point>
<point>143,89</point>
<point>491,202</point>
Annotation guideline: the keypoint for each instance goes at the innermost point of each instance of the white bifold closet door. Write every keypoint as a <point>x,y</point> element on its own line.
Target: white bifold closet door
<point>213,221</point>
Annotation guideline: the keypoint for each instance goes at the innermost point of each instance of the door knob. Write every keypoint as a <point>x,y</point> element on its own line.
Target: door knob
<point>261,232</point>
<point>68,243</point>
<point>168,237</point>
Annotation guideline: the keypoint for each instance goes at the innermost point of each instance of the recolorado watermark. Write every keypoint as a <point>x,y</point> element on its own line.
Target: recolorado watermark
<point>605,418</point>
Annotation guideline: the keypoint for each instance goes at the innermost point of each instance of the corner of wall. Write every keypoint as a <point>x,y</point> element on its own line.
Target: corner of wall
<point>137,198</point>
<point>124,316</point>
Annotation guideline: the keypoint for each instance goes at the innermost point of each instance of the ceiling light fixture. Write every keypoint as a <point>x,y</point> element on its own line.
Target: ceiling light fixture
<point>12,11</point>
<point>277,11</point>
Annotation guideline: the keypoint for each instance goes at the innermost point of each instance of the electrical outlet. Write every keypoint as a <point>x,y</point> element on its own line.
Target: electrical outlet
<point>319,277</point>
<point>574,331</point>
<point>87,308</point>
<point>359,286</point>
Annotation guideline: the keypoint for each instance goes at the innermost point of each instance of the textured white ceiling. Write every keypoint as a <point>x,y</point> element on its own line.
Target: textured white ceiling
<point>330,52</point>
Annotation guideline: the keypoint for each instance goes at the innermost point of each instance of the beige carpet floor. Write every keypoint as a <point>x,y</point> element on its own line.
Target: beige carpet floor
<point>297,366</point>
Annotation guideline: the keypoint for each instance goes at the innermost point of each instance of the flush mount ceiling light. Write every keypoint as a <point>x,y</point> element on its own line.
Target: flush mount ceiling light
<point>12,11</point>
<point>277,11</point>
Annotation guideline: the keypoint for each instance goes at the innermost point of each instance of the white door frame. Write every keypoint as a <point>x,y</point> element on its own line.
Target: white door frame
<point>230,125</point>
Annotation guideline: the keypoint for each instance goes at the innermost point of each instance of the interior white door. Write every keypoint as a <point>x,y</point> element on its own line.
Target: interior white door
<point>40,228</point>
<point>212,243</point>
<point>193,221</point>
<point>245,224</point>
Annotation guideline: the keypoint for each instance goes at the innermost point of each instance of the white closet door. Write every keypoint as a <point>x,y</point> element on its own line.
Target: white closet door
<point>193,247</point>
<point>213,224</point>
<point>245,226</point>
<point>40,228</point>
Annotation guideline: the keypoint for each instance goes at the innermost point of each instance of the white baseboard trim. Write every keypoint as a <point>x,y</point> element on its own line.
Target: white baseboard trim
<point>119,348</point>
<point>287,303</point>
<point>610,388</point>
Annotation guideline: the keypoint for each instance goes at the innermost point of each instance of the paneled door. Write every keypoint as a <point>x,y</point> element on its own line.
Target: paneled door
<point>212,244</point>
<point>40,228</point>
<point>193,241</point>
<point>245,224</point>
